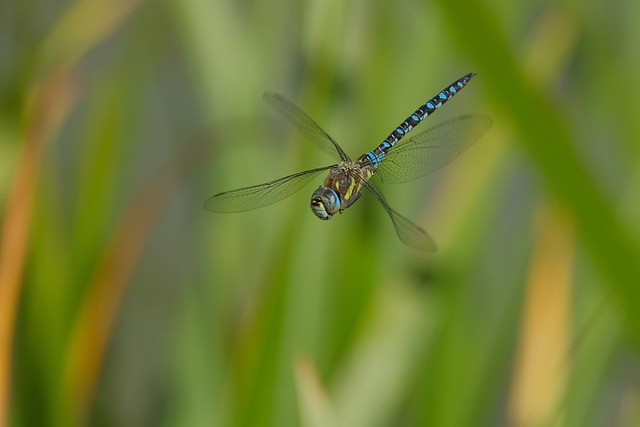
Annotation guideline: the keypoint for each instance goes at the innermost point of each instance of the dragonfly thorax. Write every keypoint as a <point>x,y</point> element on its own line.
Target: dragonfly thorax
<point>342,187</point>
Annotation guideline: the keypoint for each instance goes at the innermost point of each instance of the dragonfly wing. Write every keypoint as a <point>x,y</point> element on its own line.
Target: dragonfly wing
<point>431,149</point>
<point>305,125</point>
<point>409,233</point>
<point>258,196</point>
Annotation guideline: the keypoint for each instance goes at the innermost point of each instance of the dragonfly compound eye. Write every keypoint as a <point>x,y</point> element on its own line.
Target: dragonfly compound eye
<point>325,203</point>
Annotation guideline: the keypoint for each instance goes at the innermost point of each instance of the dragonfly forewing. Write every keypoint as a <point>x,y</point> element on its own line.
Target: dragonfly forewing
<point>258,196</point>
<point>305,125</point>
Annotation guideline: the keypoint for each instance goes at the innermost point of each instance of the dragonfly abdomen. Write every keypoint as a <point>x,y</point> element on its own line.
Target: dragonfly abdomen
<point>425,110</point>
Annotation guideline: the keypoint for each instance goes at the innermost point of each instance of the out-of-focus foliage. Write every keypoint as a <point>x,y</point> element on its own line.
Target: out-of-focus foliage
<point>123,302</point>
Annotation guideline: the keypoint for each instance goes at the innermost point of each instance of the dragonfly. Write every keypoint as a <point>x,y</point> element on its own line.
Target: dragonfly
<point>395,160</point>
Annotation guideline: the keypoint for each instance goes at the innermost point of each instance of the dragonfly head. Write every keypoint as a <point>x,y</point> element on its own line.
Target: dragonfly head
<point>325,202</point>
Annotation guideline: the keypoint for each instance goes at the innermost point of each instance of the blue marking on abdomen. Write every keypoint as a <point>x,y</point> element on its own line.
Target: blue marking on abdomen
<point>373,158</point>
<point>419,115</point>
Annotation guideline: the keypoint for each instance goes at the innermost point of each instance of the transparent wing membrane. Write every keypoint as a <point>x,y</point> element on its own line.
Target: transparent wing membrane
<point>305,125</point>
<point>409,233</point>
<point>258,196</point>
<point>430,150</point>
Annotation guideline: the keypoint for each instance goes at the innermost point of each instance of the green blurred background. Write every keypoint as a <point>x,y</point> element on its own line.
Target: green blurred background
<point>124,303</point>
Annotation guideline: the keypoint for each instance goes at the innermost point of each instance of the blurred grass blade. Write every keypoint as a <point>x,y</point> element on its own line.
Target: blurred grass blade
<point>315,406</point>
<point>541,127</point>
<point>52,100</point>
<point>94,324</point>
<point>83,26</point>
<point>374,375</point>
<point>542,363</point>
